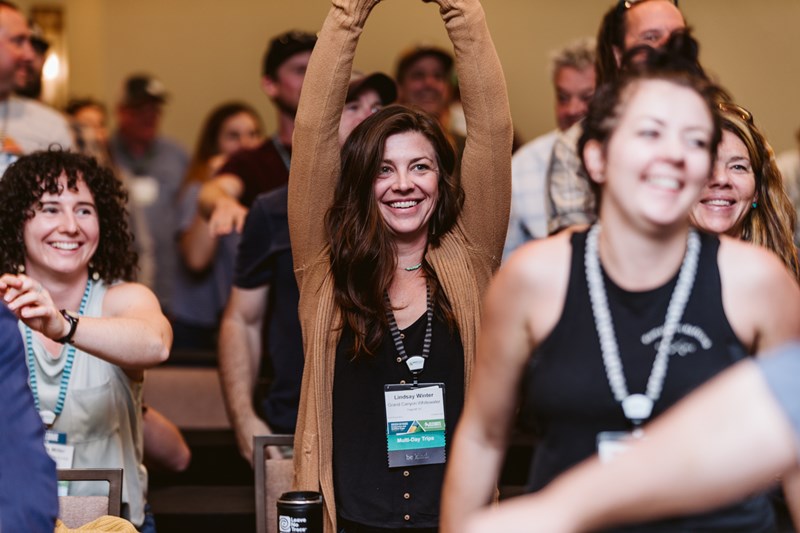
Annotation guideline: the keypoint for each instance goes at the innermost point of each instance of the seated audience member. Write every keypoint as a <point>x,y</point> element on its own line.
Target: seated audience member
<point>572,74</point>
<point>745,197</point>
<point>27,475</point>
<point>265,289</point>
<point>392,249</point>
<point>225,199</point>
<point>726,440</point>
<point>89,335</point>
<point>205,268</point>
<point>594,332</point>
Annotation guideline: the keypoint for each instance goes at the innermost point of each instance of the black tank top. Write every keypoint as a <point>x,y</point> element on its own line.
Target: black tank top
<point>566,396</point>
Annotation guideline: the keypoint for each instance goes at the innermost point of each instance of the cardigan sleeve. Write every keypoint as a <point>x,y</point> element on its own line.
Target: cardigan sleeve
<point>315,147</point>
<point>486,162</point>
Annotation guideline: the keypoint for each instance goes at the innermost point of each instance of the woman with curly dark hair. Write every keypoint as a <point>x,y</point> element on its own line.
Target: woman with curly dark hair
<point>393,246</point>
<point>89,332</point>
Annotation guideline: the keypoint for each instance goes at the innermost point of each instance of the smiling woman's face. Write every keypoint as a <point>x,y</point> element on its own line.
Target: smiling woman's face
<point>63,234</point>
<point>407,185</point>
<point>730,193</point>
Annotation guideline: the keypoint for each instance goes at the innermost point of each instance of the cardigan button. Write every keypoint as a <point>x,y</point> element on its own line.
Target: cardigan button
<point>406,473</point>
<point>402,382</point>
<point>407,517</point>
<point>407,496</point>
<point>399,359</point>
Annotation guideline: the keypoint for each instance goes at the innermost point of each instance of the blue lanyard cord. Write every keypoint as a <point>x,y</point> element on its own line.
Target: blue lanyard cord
<point>66,373</point>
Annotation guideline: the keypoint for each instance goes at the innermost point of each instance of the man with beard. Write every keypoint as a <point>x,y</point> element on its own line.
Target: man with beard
<point>225,199</point>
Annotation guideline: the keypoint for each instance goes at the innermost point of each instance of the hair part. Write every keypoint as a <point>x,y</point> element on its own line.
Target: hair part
<point>362,249</point>
<point>33,175</point>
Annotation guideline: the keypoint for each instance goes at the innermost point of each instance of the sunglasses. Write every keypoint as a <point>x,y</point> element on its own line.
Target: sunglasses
<point>737,110</point>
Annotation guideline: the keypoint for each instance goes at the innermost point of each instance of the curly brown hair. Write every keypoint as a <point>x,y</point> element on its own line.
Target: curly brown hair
<point>363,254</point>
<point>30,177</point>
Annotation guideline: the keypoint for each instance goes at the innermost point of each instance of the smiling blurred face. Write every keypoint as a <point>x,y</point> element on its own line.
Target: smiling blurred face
<point>730,194</point>
<point>425,85</point>
<point>407,185</point>
<point>63,234</point>
<point>237,132</point>
<point>657,160</point>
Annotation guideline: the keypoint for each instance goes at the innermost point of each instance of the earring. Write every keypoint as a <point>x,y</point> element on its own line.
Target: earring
<point>755,204</point>
<point>20,269</point>
<point>95,274</point>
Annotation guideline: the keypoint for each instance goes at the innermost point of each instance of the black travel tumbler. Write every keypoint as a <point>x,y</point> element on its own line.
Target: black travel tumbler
<point>300,512</point>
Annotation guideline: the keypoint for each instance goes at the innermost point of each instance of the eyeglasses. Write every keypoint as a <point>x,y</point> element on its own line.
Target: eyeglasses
<point>737,110</point>
<point>627,4</point>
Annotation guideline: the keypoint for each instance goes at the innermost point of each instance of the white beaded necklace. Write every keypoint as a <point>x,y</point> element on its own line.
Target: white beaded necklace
<point>637,407</point>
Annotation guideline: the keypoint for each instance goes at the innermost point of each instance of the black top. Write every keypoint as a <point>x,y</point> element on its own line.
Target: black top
<point>567,396</point>
<point>265,258</point>
<point>368,492</point>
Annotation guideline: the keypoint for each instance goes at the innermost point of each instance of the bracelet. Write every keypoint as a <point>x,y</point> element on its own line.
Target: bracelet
<point>73,325</point>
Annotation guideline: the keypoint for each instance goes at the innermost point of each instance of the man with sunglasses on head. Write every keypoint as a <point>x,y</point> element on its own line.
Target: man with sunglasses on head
<point>626,25</point>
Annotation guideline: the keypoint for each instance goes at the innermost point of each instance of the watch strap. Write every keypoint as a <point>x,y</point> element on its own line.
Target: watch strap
<point>73,325</point>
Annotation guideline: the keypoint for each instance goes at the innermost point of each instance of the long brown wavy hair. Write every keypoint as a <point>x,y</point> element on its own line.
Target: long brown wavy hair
<point>363,252</point>
<point>771,223</point>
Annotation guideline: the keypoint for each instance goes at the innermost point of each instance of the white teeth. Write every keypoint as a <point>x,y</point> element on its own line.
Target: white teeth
<point>664,182</point>
<point>719,202</point>
<point>65,245</point>
<point>403,205</point>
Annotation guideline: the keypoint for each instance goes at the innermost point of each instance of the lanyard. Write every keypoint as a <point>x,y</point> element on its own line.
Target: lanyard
<point>49,417</point>
<point>637,407</point>
<point>282,151</point>
<point>415,363</point>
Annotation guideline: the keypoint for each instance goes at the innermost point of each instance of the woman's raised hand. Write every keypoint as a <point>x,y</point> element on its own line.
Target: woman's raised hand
<point>32,304</point>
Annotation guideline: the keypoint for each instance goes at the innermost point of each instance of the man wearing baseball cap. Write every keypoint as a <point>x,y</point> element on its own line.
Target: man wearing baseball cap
<point>264,269</point>
<point>153,168</point>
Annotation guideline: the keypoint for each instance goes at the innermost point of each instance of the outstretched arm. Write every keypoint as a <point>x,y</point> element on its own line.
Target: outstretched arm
<point>727,439</point>
<point>315,147</point>
<point>132,333</point>
<point>486,163</point>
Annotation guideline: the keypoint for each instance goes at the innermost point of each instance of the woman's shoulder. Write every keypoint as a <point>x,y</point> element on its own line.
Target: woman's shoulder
<point>747,264</point>
<point>121,295</point>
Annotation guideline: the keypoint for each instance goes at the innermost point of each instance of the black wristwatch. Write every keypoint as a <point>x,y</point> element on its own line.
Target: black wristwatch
<point>73,325</point>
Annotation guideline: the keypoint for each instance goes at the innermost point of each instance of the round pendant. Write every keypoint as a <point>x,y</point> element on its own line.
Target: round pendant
<point>637,407</point>
<point>48,417</point>
<point>415,363</point>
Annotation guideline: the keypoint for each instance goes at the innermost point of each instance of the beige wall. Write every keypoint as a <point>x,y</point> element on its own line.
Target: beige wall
<point>210,51</point>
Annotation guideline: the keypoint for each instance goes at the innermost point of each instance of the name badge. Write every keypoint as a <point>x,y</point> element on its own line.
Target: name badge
<point>143,189</point>
<point>610,444</point>
<point>415,425</point>
<point>61,453</point>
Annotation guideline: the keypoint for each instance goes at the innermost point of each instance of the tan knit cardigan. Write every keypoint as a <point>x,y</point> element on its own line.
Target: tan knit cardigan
<point>468,254</point>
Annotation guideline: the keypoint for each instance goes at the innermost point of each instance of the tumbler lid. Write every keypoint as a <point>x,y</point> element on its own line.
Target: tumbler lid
<point>300,497</point>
